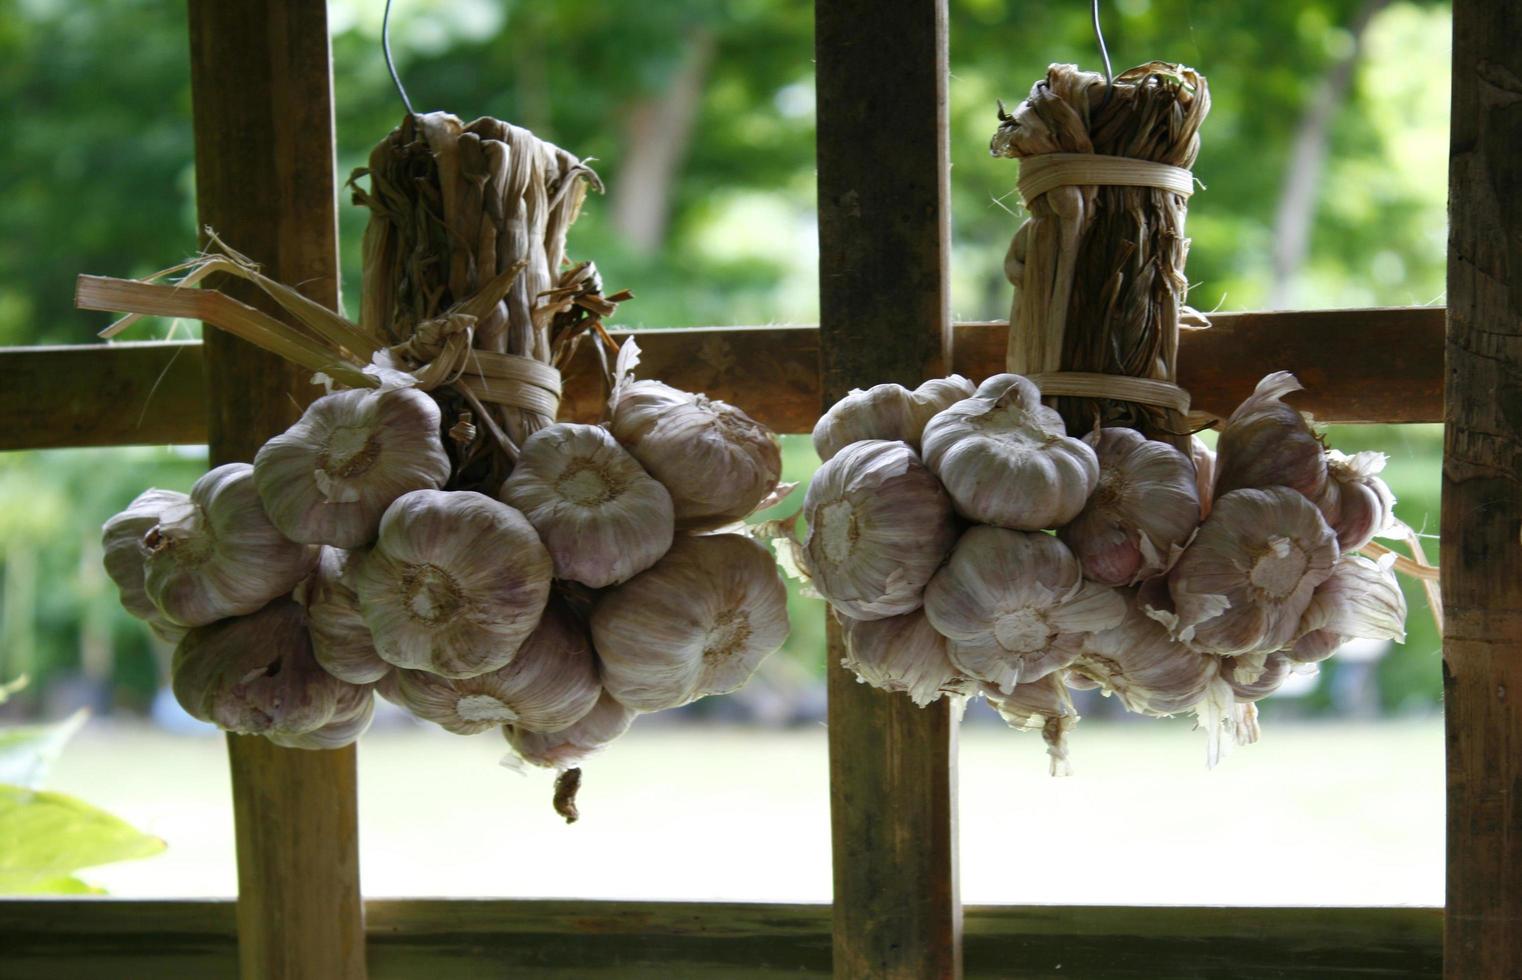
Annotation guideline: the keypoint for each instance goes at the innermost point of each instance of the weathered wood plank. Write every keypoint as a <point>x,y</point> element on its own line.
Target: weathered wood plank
<point>262,96</point>
<point>1482,496</point>
<point>884,302</point>
<point>105,939</point>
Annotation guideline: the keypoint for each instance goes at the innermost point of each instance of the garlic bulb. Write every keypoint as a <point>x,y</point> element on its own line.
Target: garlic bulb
<point>124,555</point>
<point>717,462</point>
<point>1361,600</point>
<point>602,517</point>
<point>344,729</point>
<point>1266,443</point>
<point>547,687</point>
<point>903,654</point>
<point>1006,459</point>
<point>698,623</point>
<point>329,478</point>
<point>1015,606</point>
<point>1148,670</point>
<point>341,641</point>
<point>217,555</point>
<point>1244,582</point>
<point>1356,502</point>
<point>1043,705</point>
<point>455,583</point>
<point>879,525</point>
<point>572,746</point>
<point>1256,675</point>
<point>255,675</point>
<point>886,411</point>
<point>1142,511</point>
<point>1204,473</point>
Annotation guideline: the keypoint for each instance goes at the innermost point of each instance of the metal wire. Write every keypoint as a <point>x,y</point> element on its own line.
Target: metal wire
<point>1104,53</point>
<point>396,79</point>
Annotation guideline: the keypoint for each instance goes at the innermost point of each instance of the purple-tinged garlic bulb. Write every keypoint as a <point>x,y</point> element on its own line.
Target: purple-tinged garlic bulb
<point>602,517</point>
<point>572,746</point>
<point>1255,676</point>
<point>903,654</point>
<point>1007,460</point>
<point>1043,705</point>
<point>329,478</point>
<point>217,555</point>
<point>1267,443</point>
<point>455,583</point>
<point>341,640</point>
<point>549,686</point>
<point>1142,511</point>
<point>879,525</point>
<point>1361,600</point>
<point>886,411</point>
<point>698,623</point>
<point>1243,583</point>
<point>1147,669</point>
<point>717,462</point>
<point>125,554</point>
<point>1204,473</point>
<point>1015,606</point>
<point>1356,502</point>
<point>344,729</point>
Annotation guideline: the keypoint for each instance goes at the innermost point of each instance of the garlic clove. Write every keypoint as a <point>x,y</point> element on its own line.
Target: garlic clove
<point>1042,705</point>
<point>217,554</point>
<point>879,525</point>
<point>329,478</point>
<point>124,556</point>
<point>903,654</point>
<point>1006,460</point>
<point>572,746</point>
<point>1255,676</point>
<point>1204,472</point>
<point>1014,606</point>
<point>1356,502</point>
<point>1267,443</point>
<point>1362,599</point>
<point>341,640</point>
<point>887,411</point>
<point>717,462</point>
<point>455,583</point>
<point>698,623</point>
<point>602,517</point>
<point>1137,660</point>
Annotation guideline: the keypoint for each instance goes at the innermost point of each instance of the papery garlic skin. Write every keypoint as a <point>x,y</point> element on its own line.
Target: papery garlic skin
<point>879,525</point>
<point>329,478</point>
<point>698,623</point>
<point>903,654</point>
<point>572,746</point>
<point>1267,443</point>
<point>1006,459</point>
<point>1015,607</point>
<point>341,640</point>
<point>1356,502</point>
<point>1141,513</point>
<point>548,686</point>
<point>1204,473</point>
<point>1149,671</point>
<point>217,554</point>
<point>1361,600</point>
<point>1043,705</point>
<point>1255,676</point>
<point>602,517</point>
<point>344,729</point>
<point>887,411</point>
<point>124,554</point>
<point>1243,583</point>
<point>717,462</point>
<point>455,583</point>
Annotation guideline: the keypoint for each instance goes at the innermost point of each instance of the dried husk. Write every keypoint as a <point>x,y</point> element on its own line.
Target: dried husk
<point>1042,705</point>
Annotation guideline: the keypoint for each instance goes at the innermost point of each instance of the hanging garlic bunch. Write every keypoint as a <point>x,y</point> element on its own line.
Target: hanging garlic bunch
<point>124,555</point>
<point>886,411</point>
<point>903,653</point>
<point>1361,600</point>
<point>1356,502</point>
<point>697,623</point>
<point>1015,606</point>
<point>217,555</point>
<point>455,583</point>
<point>1149,671</point>
<point>879,525</point>
<point>602,517</point>
<point>329,478</point>
<point>1041,705</point>
<point>1142,512</point>
<point>1267,443</point>
<point>341,640</point>
<point>1007,460</point>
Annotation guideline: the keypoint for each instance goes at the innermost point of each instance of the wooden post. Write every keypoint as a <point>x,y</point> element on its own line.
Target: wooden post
<point>262,91</point>
<point>1482,496</point>
<point>884,316</point>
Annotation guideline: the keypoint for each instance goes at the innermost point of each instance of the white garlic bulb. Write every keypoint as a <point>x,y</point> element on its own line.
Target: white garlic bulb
<point>124,554</point>
<point>717,462</point>
<point>455,583</point>
<point>698,623</point>
<point>1006,459</point>
<point>1142,511</point>
<point>1042,705</point>
<point>1255,676</point>
<point>572,746</point>
<point>1204,473</point>
<point>1356,502</point>
<point>1142,665</point>
<point>341,640</point>
<point>329,478</point>
<point>1015,606</point>
<point>217,554</point>
<point>886,411</point>
<point>547,687</point>
<point>1361,600</point>
<point>1243,583</point>
<point>602,517</point>
<point>903,654</point>
<point>879,525</point>
<point>1267,443</point>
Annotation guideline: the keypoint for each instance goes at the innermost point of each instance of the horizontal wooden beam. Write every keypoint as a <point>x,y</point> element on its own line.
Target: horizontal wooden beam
<point>1357,366</point>
<point>558,940</point>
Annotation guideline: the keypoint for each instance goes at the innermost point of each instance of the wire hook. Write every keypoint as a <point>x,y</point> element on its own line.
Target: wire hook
<point>406,102</point>
<point>1104,53</point>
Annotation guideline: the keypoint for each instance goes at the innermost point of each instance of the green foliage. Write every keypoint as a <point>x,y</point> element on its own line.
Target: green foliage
<point>49,836</point>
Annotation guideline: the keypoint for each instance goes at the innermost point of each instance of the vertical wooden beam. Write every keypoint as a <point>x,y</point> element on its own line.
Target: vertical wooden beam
<point>1482,496</point>
<point>262,85</point>
<point>883,244</point>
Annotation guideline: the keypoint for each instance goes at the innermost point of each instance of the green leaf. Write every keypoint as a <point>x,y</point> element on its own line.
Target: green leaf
<point>13,884</point>
<point>48,836</point>
<point>28,751</point>
<point>8,688</point>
